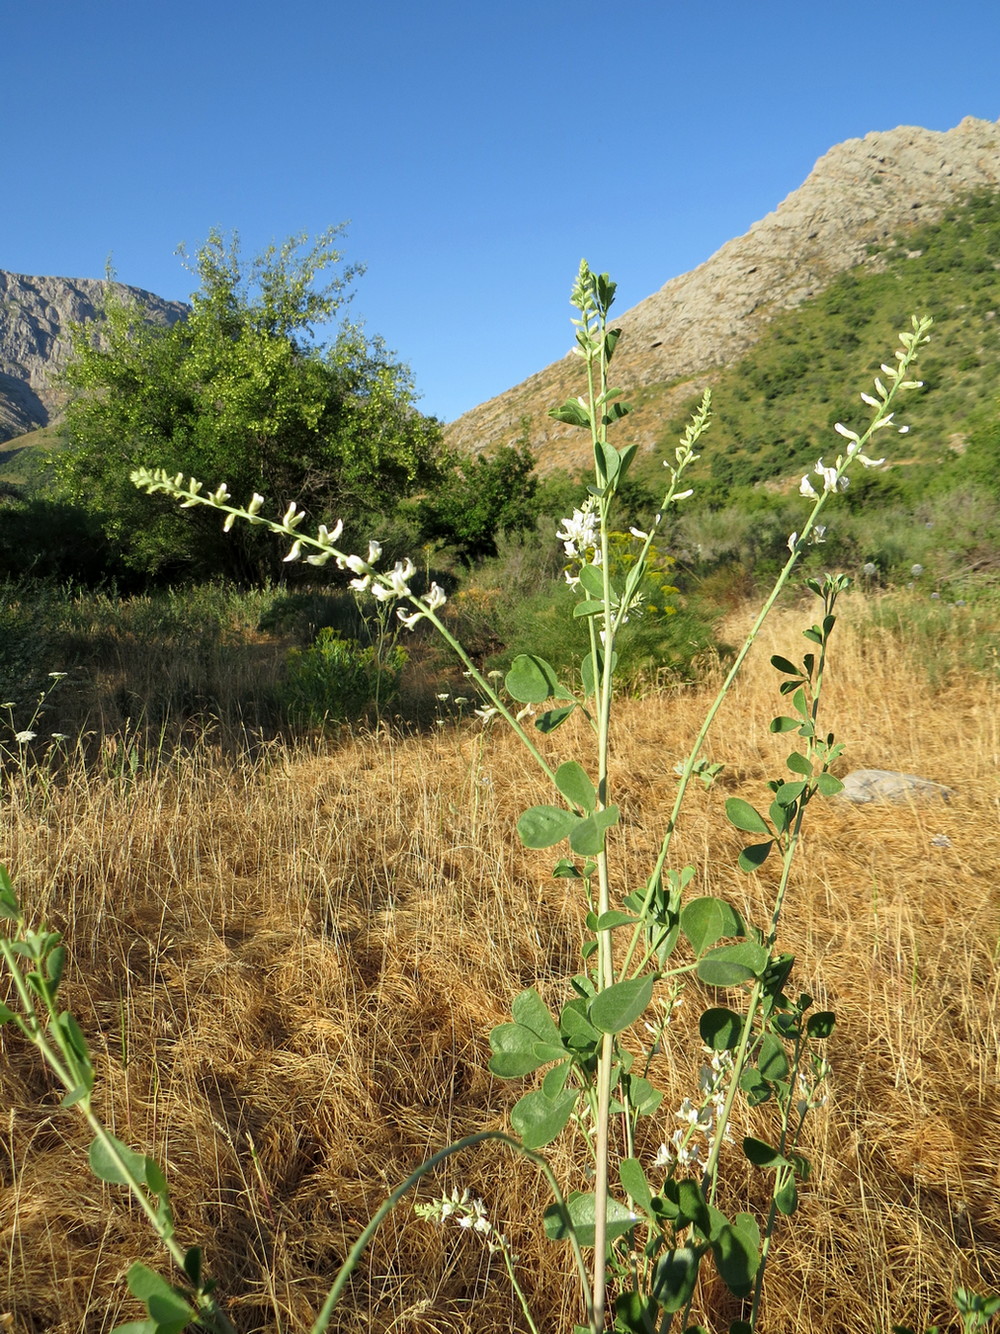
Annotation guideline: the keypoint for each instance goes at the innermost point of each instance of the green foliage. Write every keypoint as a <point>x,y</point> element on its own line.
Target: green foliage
<point>240,389</point>
<point>339,680</point>
<point>479,499</point>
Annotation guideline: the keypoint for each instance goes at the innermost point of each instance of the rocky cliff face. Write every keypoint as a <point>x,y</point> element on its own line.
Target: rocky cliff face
<point>35,315</point>
<point>861,192</point>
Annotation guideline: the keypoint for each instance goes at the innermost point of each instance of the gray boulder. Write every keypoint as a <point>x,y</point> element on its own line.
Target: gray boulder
<point>864,785</point>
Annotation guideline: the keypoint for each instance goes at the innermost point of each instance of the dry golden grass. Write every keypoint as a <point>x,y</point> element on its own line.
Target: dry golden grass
<point>289,969</point>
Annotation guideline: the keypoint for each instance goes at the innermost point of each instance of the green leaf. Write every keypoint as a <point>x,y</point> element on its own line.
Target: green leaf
<point>590,675</point>
<point>772,1061</point>
<point>784,724</point>
<point>720,1029</point>
<point>513,1048</point>
<point>192,1265</point>
<point>634,1314</point>
<point>587,836</point>
<point>763,1155</point>
<point>642,1096</point>
<point>165,1305</point>
<point>786,1197</point>
<point>587,608</point>
<point>730,965</point>
<point>675,1276</point>
<point>9,906</point>
<point>592,580</point>
<point>821,1024</point>
<point>555,1079</point>
<point>634,1183</point>
<point>544,826</point>
<point>621,1004</point>
<point>531,680</point>
<point>105,1168</point>
<point>706,920</point>
<point>754,856</point>
<point>783,665</point>
<point>6,1015</point>
<point>742,816</point>
<point>799,764</point>
<point>531,1012</point>
<point>538,1119</point>
<point>788,793</point>
<point>737,1254</point>
<point>575,785</point>
<point>577,1030</point>
<point>828,786</point>
<point>582,1209</point>
<point>572,413</point>
<point>137,1327</point>
<point>549,720</point>
<point>608,920</point>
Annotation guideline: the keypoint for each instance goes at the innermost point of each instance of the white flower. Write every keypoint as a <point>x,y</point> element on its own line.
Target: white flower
<point>374,551</point>
<point>903,430</point>
<point>916,571</point>
<point>329,536</point>
<point>487,713</point>
<point>792,541</point>
<point>436,597</point>
<point>22,738</point>
<point>829,476</point>
<point>637,532</point>
<point>354,563</point>
<point>57,676</point>
<point>819,534</point>
<point>409,620</point>
<point>400,575</point>
<point>579,533</point>
<point>806,488</point>
<point>361,585</point>
<point>255,504</point>
<point>841,429</point>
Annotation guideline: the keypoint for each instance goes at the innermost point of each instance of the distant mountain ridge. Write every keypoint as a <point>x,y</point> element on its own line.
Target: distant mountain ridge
<point>35,315</point>
<point>859,195</point>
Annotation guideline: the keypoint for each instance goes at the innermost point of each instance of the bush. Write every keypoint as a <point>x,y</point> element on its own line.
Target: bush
<point>336,680</point>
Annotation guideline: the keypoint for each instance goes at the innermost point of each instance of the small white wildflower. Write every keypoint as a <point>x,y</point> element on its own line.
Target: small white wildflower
<point>360,585</point>
<point>664,1156</point>
<point>869,569</point>
<point>829,475</point>
<point>916,570</point>
<point>59,736</point>
<point>436,597</point>
<point>683,495</point>
<point>443,696</point>
<point>904,430</point>
<point>295,552</point>
<point>374,551</point>
<point>57,676</point>
<point>872,402</point>
<point>806,488</point>
<point>637,532</point>
<point>818,534</point>
<point>866,462</point>
<point>354,563</point>
<point>22,738</point>
<point>230,520</point>
<point>330,535</point>
<point>841,429</point>
<point>487,713</point>
<point>409,620</point>
<point>579,533</point>
<point>400,575</point>
<point>793,541</point>
<point>256,502</point>
<point>220,495</point>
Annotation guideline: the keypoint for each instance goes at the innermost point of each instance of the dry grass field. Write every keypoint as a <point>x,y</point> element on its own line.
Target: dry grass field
<point>288,966</point>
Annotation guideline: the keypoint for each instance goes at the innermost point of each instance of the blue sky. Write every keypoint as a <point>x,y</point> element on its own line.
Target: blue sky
<point>479,151</point>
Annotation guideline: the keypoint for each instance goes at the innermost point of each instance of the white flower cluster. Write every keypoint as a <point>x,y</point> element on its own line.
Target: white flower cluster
<point>684,1150</point>
<point>580,536</point>
<point>469,1213</point>
<point>385,586</point>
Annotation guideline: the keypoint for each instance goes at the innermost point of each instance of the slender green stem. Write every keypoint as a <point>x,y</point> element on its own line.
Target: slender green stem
<point>470,1141</point>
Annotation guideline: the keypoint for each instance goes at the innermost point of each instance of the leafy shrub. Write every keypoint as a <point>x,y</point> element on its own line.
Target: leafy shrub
<point>337,680</point>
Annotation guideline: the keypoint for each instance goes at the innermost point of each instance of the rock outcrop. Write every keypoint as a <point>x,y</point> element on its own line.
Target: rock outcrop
<point>859,194</point>
<point>35,315</point>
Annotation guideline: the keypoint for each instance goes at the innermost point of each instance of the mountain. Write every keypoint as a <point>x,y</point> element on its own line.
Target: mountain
<point>859,196</point>
<point>35,318</point>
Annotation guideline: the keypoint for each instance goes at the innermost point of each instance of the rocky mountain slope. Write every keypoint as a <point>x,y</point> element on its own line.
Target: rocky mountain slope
<point>860,194</point>
<point>35,315</point>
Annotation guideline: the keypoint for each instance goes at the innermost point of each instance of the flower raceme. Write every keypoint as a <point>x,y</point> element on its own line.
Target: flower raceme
<point>386,586</point>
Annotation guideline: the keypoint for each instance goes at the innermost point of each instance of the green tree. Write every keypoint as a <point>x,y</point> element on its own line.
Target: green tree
<point>479,498</point>
<point>241,390</point>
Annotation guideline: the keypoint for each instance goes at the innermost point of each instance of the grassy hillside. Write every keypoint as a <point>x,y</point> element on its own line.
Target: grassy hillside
<point>774,410</point>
